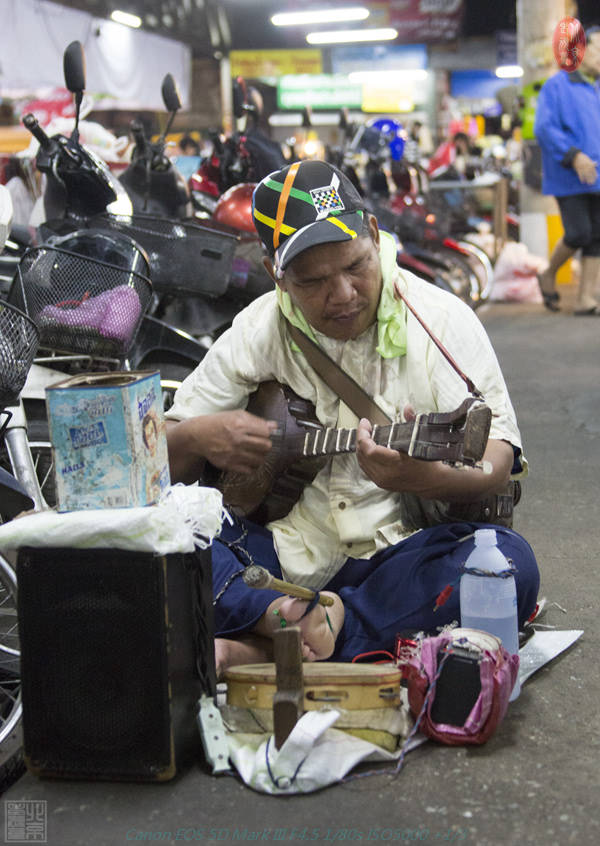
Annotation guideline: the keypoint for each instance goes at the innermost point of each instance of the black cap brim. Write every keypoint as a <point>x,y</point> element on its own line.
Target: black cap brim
<point>336,228</point>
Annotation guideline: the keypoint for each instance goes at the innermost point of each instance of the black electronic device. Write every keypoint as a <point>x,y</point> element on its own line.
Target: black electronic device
<point>458,686</point>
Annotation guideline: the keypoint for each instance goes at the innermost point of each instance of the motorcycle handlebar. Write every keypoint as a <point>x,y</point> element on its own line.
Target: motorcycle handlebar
<point>31,123</point>
<point>139,136</point>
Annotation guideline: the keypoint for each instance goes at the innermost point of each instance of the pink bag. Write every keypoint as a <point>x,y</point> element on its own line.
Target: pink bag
<point>476,669</point>
<point>113,314</point>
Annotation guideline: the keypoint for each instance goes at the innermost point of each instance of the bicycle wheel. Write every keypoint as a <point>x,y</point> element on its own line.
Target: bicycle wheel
<point>11,753</point>
<point>41,450</point>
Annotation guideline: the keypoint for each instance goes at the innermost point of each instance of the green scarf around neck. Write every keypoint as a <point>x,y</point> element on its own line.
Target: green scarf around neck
<point>391,313</point>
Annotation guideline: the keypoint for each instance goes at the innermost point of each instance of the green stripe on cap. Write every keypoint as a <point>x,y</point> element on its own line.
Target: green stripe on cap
<point>294,192</point>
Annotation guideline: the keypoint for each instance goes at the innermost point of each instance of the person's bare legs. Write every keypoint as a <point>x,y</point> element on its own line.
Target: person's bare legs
<point>318,635</point>
<point>587,302</point>
<point>547,279</point>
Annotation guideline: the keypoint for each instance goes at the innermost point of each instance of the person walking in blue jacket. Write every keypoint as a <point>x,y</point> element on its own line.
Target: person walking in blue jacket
<point>567,126</point>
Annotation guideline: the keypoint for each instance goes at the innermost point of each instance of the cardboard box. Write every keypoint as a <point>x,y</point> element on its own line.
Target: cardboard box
<point>108,440</point>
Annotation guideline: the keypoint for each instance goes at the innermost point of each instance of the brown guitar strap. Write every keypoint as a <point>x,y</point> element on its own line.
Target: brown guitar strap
<point>338,380</point>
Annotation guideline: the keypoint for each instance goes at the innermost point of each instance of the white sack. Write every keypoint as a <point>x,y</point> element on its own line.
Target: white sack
<point>185,517</point>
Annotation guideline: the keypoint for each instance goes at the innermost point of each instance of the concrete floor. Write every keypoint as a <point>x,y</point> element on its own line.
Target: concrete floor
<point>536,780</point>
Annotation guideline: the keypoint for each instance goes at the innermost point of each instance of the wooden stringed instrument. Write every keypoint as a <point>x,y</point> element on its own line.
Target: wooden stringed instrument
<point>301,446</point>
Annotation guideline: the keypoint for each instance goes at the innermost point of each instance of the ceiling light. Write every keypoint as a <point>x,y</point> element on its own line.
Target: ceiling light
<point>344,36</point>
<point>509,71</point>
<point>388,77</point>
<point>126,18</point>
<point>353,13</point>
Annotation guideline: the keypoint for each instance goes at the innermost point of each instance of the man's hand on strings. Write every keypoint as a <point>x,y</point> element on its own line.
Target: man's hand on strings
<point>388,468</point>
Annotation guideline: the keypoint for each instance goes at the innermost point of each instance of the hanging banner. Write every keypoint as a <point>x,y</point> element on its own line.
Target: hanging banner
<point>125,67</point>
<point>426,21</point>
<point>322,91</point>
<point>381,57</point>
<point>257,64</point>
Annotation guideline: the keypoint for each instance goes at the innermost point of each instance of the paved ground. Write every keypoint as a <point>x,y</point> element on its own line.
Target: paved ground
<point>536,780</point>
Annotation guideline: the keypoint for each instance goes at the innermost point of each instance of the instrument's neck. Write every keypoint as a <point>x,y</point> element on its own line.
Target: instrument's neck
<point>337,441</point>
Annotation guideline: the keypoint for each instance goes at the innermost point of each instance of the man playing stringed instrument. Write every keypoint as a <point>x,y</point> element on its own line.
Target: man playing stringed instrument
<point>381,531</point>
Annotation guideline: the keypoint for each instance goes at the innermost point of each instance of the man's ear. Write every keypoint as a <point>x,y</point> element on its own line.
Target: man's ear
<point>268,265</point>
<point>374,230</point>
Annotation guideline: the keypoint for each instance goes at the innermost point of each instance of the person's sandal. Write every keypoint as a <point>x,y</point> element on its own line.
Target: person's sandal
<point>551,300</point>
<point>594,311</point>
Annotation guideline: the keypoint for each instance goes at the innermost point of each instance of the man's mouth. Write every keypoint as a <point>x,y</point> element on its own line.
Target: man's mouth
<point>346,316</point>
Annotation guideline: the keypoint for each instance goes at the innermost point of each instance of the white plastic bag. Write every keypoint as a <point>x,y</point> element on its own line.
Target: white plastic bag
<point>515,275</point>
<point>185,517</point>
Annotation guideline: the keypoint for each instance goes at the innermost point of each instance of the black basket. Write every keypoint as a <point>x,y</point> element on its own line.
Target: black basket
<point>19,339</point>
<point>188,259</point>
<point>80,304</point>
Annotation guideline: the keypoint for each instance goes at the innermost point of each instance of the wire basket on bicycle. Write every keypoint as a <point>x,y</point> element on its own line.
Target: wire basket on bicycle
<point>186,258</point>
<point>83,304</point>
<point>19,339</point>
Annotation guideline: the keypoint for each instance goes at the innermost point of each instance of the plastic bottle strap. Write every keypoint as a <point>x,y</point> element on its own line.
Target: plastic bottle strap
<point>511,570</point>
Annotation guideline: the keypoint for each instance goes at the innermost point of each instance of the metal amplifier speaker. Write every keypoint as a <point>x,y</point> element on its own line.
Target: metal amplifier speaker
<point>116,650</point>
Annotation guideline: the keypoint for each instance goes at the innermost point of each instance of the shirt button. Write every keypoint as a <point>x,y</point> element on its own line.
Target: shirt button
<point>342,505</point>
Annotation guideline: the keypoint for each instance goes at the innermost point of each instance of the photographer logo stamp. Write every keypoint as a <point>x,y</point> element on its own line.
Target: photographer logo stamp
<point>25,821</point>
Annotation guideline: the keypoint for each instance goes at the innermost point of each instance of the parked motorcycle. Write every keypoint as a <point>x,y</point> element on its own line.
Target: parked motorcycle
<point>401,206</point>
<point>19,338</point>
<point>79,188</point>
<point>204,270</point>
<point>89,291</point>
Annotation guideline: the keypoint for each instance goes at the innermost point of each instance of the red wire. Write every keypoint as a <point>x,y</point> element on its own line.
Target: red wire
<point>374,652</point>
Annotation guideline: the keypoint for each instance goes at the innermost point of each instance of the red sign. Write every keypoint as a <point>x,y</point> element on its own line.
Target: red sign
<point>422,21</point>
<point>59,104</point>
<point>568,44</point>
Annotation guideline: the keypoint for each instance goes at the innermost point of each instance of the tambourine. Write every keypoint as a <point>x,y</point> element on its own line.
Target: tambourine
<point>348,686</point>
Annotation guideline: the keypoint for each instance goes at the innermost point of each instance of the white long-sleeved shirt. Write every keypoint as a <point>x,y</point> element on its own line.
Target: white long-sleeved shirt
<point>342,513</point>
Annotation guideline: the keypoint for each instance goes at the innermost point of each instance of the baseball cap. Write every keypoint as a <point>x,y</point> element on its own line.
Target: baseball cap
<point>305,204</point>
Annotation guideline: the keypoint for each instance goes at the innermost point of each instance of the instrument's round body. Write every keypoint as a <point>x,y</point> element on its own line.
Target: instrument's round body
<point>336,685</point>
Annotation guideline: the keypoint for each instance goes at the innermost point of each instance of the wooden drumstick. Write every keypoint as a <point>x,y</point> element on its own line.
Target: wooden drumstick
<point>257,577</point>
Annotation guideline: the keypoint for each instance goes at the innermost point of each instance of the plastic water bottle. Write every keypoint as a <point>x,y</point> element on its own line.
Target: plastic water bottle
<point>489,603</point>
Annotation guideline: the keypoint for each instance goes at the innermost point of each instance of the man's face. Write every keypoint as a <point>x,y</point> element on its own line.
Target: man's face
<point>337,286</point>
<point>591,58</point>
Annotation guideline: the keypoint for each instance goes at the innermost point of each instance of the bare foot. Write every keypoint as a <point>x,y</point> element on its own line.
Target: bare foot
<point>251,649</point>
<point>319,628</point>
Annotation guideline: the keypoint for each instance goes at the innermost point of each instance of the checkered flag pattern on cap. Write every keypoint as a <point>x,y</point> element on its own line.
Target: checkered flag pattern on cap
<point>305,204</point>
<point>327,200</point>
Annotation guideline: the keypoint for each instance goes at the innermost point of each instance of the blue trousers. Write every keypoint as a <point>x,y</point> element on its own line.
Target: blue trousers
<point>392,592</point>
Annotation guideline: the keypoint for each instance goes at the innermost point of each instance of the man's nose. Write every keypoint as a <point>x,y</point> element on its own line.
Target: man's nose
<point>342,289</point>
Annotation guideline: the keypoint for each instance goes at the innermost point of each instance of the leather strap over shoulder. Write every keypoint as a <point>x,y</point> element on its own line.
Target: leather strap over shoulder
<point>338,380</point>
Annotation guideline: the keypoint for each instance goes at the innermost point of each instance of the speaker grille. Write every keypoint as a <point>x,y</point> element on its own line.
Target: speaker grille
<point>110,652</point>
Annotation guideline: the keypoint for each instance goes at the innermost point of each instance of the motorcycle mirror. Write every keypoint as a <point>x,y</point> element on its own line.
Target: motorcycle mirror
<point>172,102</point>
<point>74,71</point>
<point>74,67</point>
<point>170,94</point>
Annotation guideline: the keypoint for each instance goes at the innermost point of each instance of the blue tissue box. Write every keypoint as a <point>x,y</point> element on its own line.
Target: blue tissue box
<point>108,440</point>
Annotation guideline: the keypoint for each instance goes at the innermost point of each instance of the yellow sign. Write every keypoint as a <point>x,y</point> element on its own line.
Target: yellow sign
<point>254,64</point>
<point>391,99</point>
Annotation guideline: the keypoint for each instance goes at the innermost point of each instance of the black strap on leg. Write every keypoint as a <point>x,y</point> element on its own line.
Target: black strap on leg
<point>313,602</point>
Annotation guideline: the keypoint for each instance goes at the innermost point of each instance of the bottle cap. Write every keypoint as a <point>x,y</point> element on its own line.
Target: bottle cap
<point>485,537</point>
